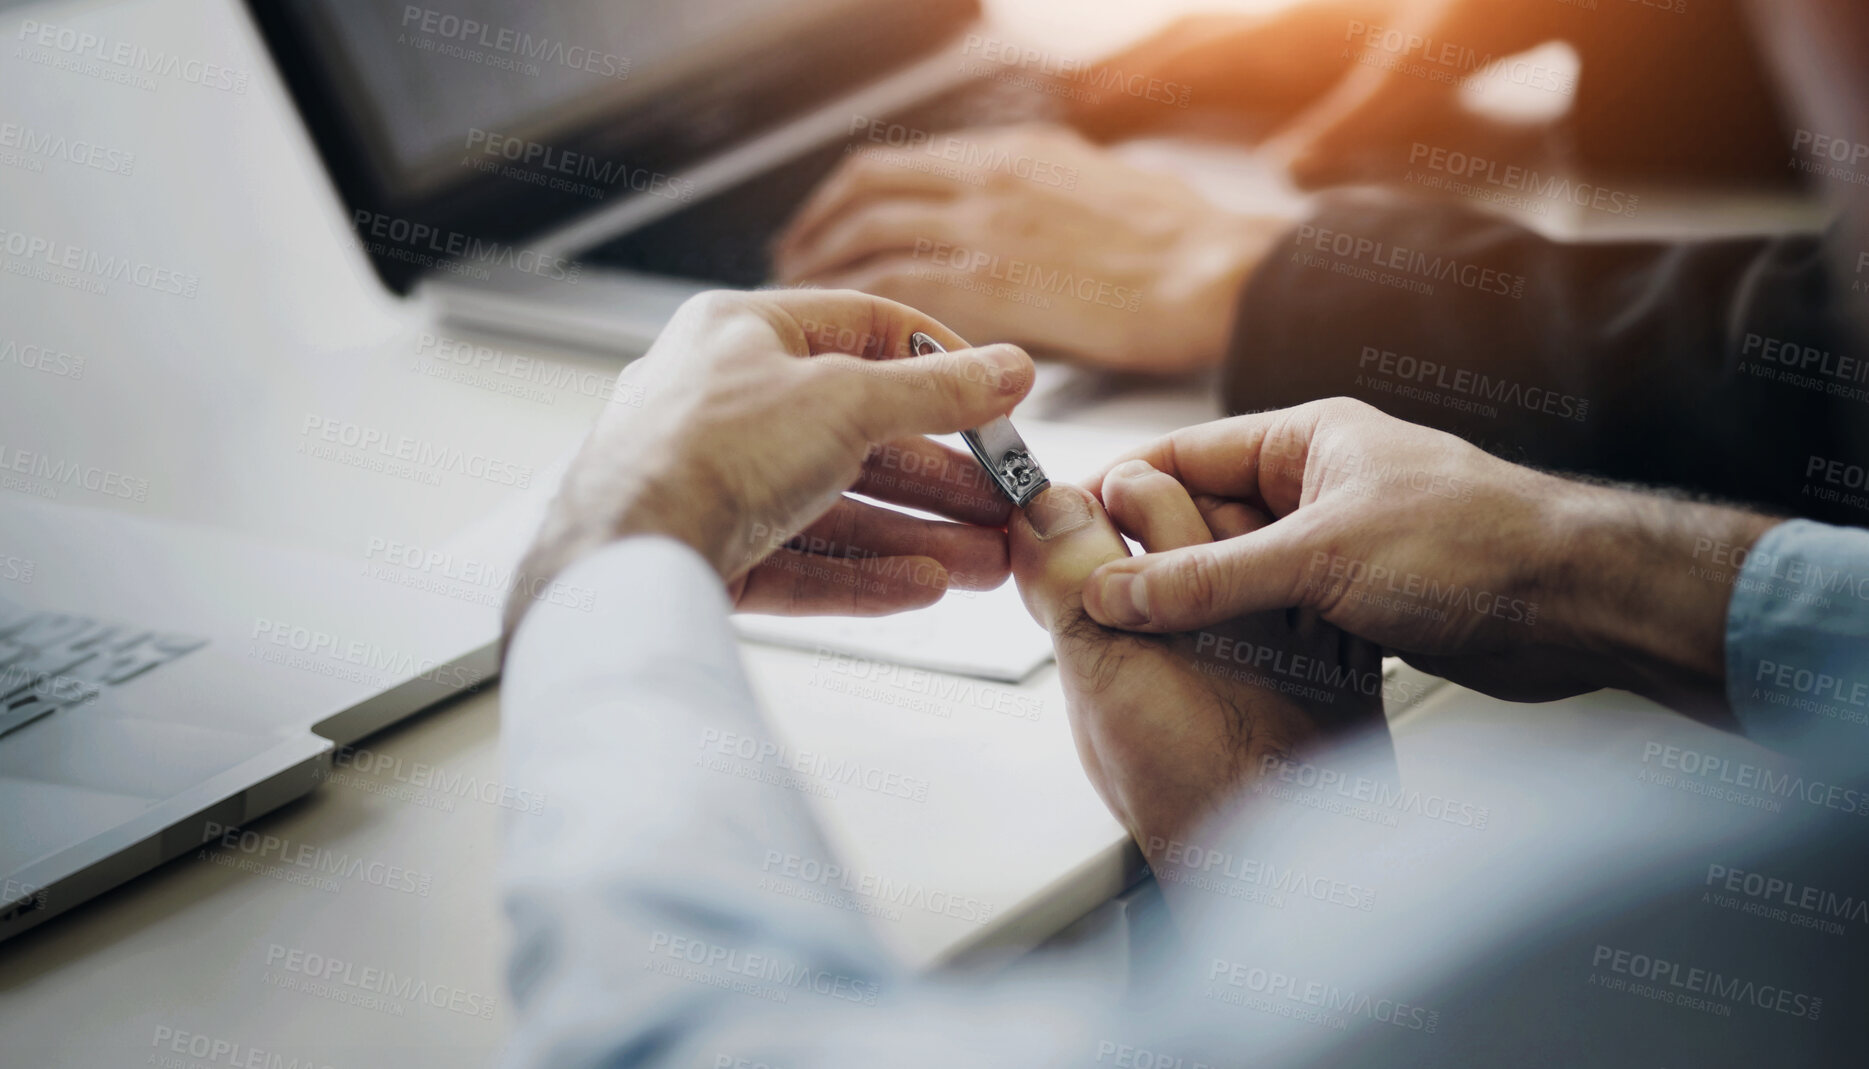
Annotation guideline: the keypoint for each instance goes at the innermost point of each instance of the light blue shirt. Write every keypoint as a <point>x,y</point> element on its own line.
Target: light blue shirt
<point>1797,643</point>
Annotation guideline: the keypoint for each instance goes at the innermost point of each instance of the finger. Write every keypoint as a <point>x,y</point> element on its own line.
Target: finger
<point>1360,684</point>
<point>1229,519</point>
<point>1108,116</point>
<point>1362,657</point>
<point>940,393</point>
<point>1057,542</point>
<point>889,226</point>
<point>1308,627</point>
<point>975,557</point>
<point>1263,68</point>
<point>816,322</point>
<point>1381,106</point>
<point>1152,508</point>
<point>934,478</point>
<point>790,583</point>
<point>865,175</point>
<point>1258,459</point>
<point>1199,586</point>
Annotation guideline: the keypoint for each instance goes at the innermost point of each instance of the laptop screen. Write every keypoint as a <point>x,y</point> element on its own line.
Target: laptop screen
<point>494,120</point>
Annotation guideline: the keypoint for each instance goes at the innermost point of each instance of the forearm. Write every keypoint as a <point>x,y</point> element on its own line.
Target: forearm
<point>635,890</point>
<point>1643,583</point>
<point>673,902</point>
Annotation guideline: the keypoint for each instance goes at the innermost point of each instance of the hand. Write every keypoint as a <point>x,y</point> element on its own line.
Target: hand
<point>1401,84</point>
<point>1344,87</point>
<point>1260,69</point>
<point>1170,728</point>
<point>1084,256</point>
<point>1517,583</point>
<point>758,412</point>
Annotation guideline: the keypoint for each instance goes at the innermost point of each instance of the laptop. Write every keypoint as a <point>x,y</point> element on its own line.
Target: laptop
<point>571,171</point>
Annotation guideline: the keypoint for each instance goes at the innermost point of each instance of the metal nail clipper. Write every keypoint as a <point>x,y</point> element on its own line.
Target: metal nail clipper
<point>996,445</point>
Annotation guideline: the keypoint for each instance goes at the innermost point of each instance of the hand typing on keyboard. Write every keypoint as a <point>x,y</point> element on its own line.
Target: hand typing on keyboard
<point>1032,234</point>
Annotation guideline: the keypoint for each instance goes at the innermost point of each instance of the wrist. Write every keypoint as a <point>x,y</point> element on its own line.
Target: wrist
<point>568,535</point>
<point>1643,588</point>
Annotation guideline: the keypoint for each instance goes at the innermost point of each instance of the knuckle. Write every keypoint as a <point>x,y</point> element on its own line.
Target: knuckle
<point>845,294</point>
<point>1348,408</point>
<point>1194,584</point>
<point>838,530</point>
<point>710,304</point>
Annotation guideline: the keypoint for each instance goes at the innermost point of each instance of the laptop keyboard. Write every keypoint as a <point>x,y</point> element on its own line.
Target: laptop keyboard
<point>54,660</point>
<point>724,239</point>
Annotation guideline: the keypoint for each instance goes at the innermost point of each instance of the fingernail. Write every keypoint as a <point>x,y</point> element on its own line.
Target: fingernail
<point>1057,511</point>
<point>1123,599</point>
<point>1132,469</point>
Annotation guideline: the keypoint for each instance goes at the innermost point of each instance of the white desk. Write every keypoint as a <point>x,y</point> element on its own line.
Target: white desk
<point>198,948</point>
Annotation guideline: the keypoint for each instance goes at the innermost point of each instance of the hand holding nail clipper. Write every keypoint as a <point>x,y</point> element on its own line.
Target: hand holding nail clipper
<point>1009,461</point>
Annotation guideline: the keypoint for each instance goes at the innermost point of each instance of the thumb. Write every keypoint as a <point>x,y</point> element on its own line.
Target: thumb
<point>1199,586</point>
<point>939,393</point>
<point>1056,542</point>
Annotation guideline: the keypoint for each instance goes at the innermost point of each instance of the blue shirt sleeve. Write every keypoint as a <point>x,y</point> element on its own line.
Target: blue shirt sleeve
<point>1797,643</point>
